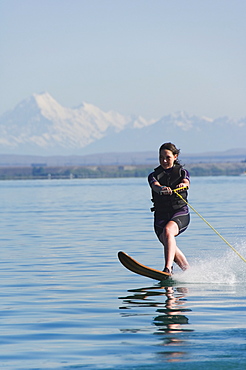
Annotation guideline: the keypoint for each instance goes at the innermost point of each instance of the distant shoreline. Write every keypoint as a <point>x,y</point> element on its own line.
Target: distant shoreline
<point>114,171</point>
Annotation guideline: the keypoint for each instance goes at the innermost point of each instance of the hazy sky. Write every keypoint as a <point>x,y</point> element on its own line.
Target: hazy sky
<point>144,57</point>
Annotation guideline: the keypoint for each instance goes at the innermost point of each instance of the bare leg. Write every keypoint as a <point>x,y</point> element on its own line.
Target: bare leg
<point>168,240</point>
<point>171,251</point>
<point>181,260</point>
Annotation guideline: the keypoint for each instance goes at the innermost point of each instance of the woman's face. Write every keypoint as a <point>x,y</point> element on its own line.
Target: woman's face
<point>167,159</point>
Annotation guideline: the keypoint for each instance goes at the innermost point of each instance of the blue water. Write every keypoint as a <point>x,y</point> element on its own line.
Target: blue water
<point>67,303</point>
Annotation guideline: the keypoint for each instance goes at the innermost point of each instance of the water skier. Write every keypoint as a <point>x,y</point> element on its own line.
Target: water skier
<point>171,214</point>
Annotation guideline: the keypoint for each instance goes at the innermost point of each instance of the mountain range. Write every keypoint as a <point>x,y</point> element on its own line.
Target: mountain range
<point>39,125</point>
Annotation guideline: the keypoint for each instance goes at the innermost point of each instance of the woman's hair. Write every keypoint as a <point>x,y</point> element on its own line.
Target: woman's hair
<point>172,148</point>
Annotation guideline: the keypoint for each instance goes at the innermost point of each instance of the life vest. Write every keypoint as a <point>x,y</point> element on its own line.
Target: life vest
<point>169,203</point>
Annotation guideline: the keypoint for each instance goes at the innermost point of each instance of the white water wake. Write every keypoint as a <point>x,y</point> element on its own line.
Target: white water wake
<point>227,269</point>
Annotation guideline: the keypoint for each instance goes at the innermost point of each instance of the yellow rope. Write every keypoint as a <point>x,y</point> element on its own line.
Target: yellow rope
<point>198,214</point>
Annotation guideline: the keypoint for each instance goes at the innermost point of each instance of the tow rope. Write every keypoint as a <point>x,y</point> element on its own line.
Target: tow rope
<point>176,191</point>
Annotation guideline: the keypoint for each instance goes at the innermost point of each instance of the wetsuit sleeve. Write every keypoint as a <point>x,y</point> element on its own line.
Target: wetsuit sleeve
<point>186,174</point>
<point>151,178</point>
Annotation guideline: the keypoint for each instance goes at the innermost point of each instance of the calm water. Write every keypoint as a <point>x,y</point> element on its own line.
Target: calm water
<point>67,303</point>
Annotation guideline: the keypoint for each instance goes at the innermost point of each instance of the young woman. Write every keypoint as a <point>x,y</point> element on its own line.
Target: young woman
<point>171,214</point>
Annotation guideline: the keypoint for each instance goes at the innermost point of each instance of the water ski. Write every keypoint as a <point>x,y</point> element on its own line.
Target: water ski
<point>140,269</point>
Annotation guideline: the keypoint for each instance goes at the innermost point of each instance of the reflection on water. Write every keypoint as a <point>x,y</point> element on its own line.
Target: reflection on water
<point>170,320</point>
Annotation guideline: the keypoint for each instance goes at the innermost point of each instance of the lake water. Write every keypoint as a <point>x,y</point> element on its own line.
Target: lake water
<point>67,303</point>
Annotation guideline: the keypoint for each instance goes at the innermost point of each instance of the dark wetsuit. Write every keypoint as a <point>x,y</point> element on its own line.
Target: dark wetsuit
<point>177,213</point>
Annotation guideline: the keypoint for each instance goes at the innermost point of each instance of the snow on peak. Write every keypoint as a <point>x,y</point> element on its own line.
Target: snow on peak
<point>87,115</point>
<point>207,119</point>
<point>49,106</point>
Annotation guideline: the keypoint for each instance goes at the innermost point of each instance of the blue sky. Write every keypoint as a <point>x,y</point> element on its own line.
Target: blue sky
<point>143,57</point>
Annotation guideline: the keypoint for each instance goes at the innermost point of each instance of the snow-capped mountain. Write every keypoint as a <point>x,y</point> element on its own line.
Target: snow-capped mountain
<point>39,125</point>
<point>190,133</point>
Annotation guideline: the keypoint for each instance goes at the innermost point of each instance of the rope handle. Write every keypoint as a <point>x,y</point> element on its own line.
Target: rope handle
<point>176,190</point>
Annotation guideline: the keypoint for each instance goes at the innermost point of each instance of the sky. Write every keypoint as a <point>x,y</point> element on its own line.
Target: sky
<point>144,57</point>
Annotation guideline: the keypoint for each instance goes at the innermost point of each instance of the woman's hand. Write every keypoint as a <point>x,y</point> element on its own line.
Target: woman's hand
<point>183,185</point>
<point>165,190</point>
